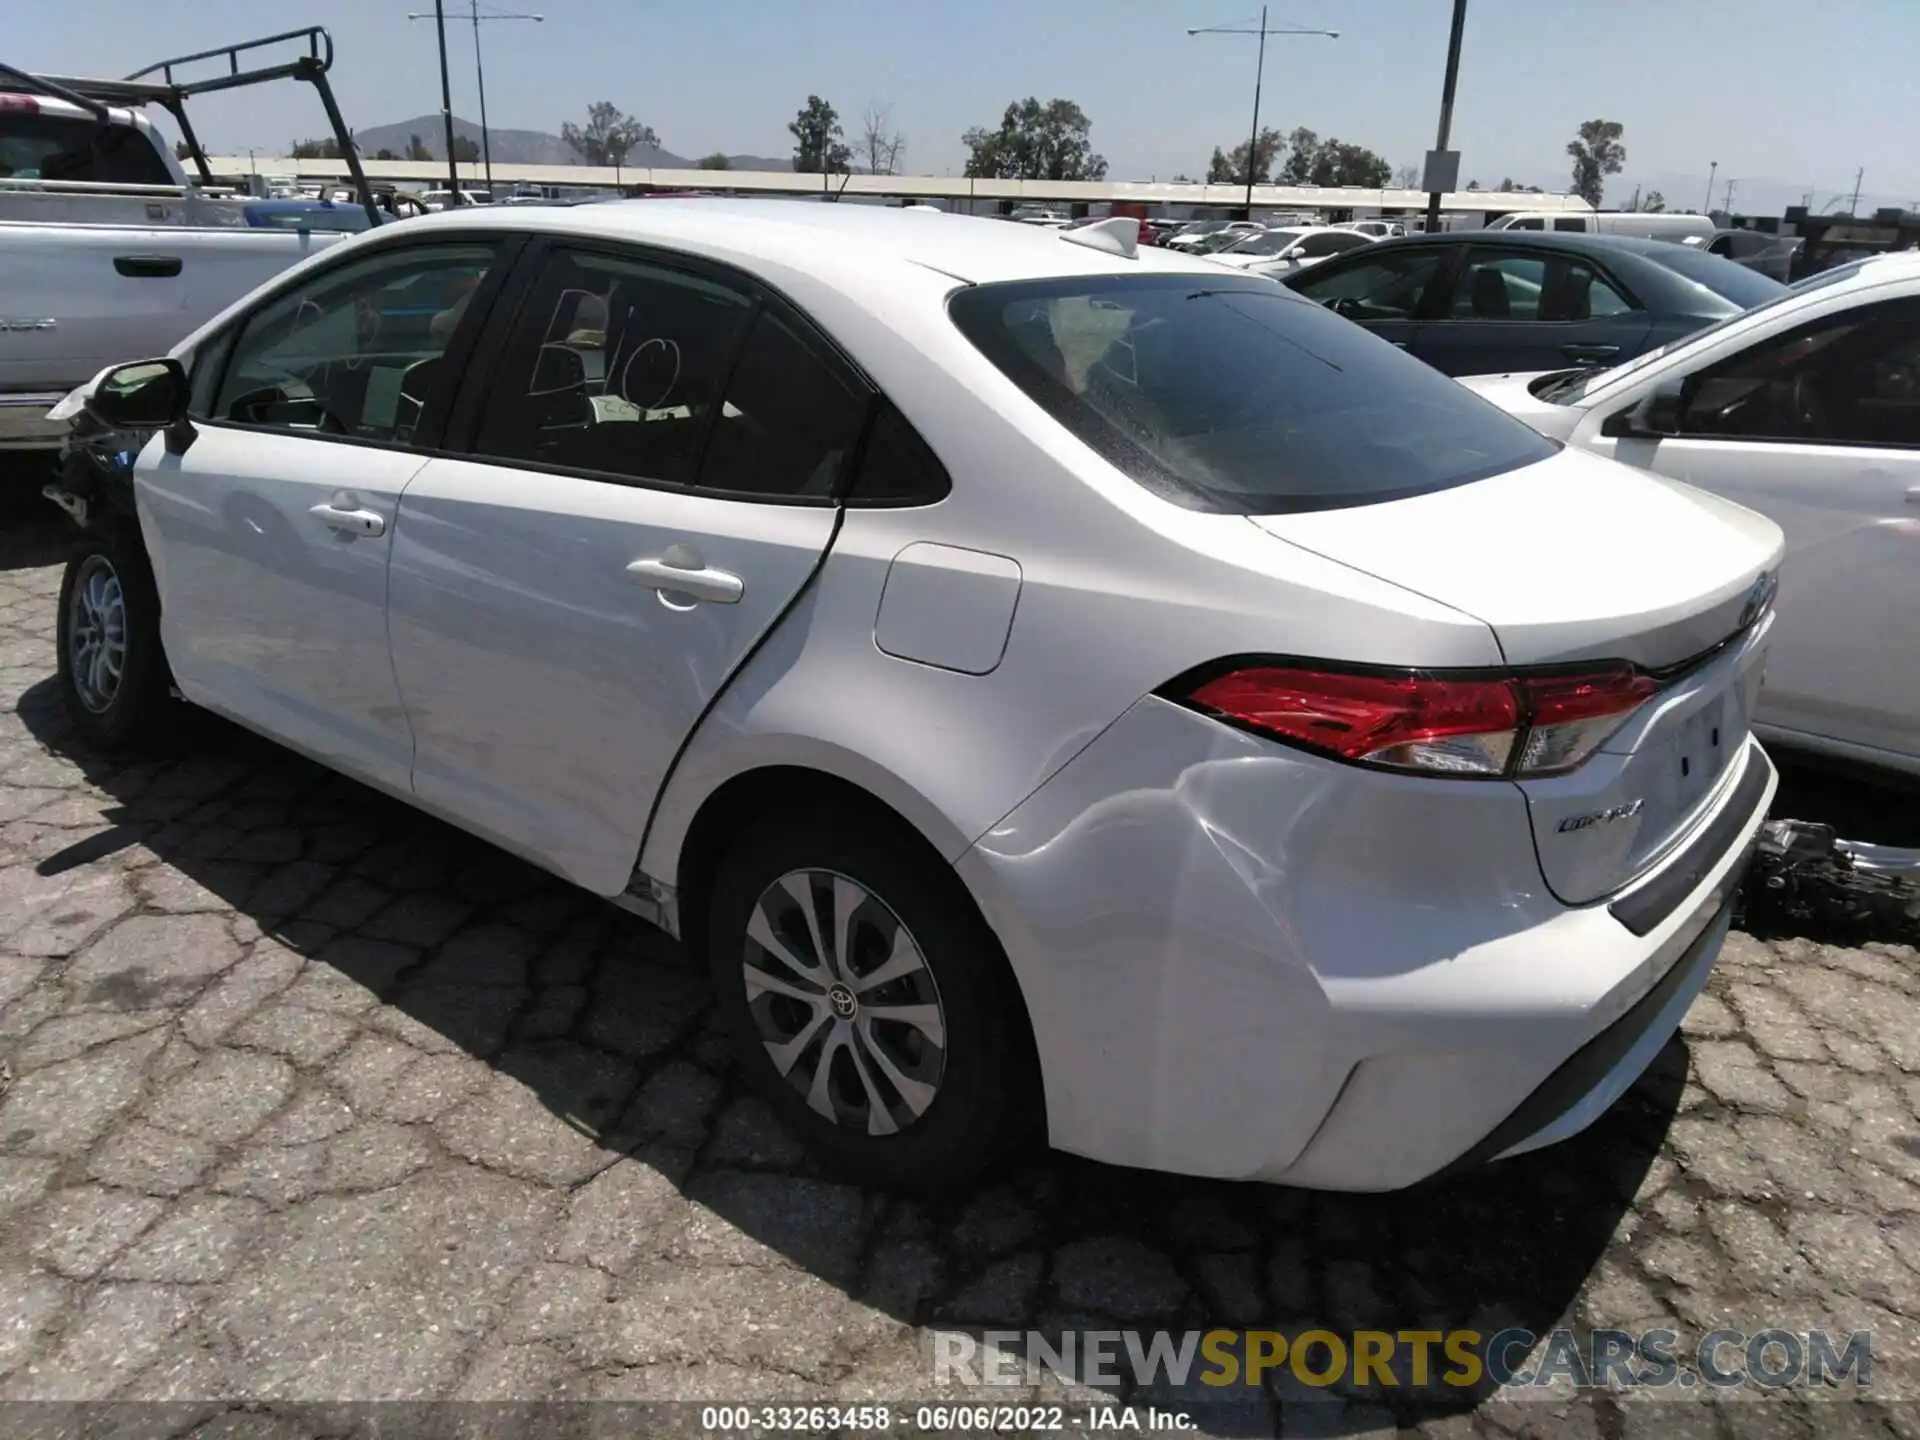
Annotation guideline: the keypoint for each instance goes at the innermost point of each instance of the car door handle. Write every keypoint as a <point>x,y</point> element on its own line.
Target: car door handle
<point>1913,496</point>
<point>350,521</point>
<point>1589,352</point>
<point>147,267</point>
<point>671,575</point>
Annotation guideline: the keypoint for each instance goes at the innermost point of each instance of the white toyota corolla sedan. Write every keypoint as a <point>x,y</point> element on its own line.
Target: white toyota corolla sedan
<point>1049,683</point>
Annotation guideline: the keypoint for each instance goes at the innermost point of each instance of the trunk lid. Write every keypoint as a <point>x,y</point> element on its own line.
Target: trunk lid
<point>1579,559</point>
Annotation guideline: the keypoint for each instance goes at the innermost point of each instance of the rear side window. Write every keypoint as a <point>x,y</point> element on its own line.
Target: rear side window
<point>1236,396</point>
<point>897,467</point>
<point>790,420</point>
<point>60,147</point>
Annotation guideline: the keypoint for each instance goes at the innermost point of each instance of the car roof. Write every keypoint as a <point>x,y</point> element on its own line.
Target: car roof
<point>969,248</point>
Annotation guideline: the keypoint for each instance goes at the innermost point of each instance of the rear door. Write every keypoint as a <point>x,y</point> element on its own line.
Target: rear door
<point>653,477</point>
<point>1522,308</point>
<point>1818,428</point>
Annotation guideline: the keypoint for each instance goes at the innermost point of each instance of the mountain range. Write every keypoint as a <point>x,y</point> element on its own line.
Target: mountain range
<point>532,147</point>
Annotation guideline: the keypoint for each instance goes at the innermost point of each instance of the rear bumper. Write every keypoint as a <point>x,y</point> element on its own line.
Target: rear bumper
<point>1245,962</point>
<point>24,424</point>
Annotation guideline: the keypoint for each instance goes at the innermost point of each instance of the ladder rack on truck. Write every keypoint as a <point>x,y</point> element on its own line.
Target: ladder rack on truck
<point>158,84</point>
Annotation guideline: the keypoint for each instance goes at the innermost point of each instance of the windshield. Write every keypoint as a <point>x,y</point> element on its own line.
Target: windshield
<point>1583,383</point>
<point>1270,243</point>
<point>1722,286</point>
<point>1235,396</point>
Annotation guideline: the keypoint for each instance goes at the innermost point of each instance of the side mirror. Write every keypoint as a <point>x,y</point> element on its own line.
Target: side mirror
<point>145,395</point>
<point>1655,415</point>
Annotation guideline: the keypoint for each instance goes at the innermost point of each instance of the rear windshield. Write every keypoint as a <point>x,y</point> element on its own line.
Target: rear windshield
<point>1736,286</point>
<point>1234,395</point>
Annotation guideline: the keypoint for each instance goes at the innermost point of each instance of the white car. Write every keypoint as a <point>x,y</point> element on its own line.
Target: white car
<point>1285,249</point>
<point>1047,681</point>
<point>1807,409</point>
<point>1377,229</point>
<point>1199,235</point>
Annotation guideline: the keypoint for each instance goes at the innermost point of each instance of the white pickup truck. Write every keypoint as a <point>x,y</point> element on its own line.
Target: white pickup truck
<point>108,251</point>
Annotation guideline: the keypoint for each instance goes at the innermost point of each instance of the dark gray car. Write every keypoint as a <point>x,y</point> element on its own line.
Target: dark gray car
<point>1483,301</point>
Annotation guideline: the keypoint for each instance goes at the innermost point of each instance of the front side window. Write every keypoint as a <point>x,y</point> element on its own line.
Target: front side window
<point>356,351</point>
<point>1233,396</point>
<point>614,366</point>
<point>1386,286</point>
<point>1849,379</point>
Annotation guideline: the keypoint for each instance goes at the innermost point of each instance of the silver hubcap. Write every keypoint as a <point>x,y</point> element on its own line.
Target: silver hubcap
<point>97,634</point>
<point>844,1002</point>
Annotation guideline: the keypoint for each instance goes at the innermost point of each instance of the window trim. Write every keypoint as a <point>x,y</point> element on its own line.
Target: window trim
<point>457,357</point>
<point>1897,307</point>
<point>478,380</point>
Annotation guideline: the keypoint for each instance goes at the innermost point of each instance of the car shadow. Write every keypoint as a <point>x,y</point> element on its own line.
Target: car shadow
<point>588,1009</point>
<point>32,532</point>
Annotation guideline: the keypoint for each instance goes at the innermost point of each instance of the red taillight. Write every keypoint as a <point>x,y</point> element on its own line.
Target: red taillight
<point>1477,725</point>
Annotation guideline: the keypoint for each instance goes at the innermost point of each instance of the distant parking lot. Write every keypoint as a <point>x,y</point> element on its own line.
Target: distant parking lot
<point>309,1097</point>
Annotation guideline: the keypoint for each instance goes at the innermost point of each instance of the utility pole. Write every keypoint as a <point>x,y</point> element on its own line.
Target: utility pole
<point>446,102</point>
<point>1858,175</point>
<point>1729,204</point>
<point>1713,169</point>
<point>479,71</point>
<point>1446,105</point>
<point>1259,74</point>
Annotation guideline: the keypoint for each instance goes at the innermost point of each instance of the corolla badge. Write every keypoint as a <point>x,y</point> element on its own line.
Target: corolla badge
<point>1759,598</point>
<point>1600,817</point>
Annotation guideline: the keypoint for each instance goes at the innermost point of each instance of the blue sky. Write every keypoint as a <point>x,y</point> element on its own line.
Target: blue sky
<point>1787,96</point>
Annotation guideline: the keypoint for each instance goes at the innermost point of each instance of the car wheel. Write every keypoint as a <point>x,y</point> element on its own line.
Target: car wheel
<point>113,675</point>
<point>869,1003</point>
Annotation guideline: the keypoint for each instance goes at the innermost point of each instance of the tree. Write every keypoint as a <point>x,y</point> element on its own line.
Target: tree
<point>716,161</point>
<point>1338,163</point>
<point>314,150</point>
<point>607,136</point>
<point>466,150</point>
<point>881,146</point>
<point>1597,153</point>
<point>182,150</point>
<point>1035,142</point>
<point>416,150</point>
<point>1473,184</point>
<point>1302,145</point>
<point>384,154</point>
<point>1408,177</point>
<point>1230,166</point>
<point>818,148</point>
<point>1654,203</point>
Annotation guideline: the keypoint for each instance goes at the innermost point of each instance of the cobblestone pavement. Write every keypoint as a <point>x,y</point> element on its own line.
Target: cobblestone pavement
<point>308,1097</point>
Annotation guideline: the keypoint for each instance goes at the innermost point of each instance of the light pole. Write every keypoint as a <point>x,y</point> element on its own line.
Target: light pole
<point>1447,85</point>
<point>1259,73</point>
<point>1713,169</point>
<point>479,71</point>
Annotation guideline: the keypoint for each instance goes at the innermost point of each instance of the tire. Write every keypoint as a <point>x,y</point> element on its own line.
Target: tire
<point>109,606</point>
<point>970,1091</point>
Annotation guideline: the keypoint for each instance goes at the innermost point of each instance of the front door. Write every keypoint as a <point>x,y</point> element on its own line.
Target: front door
<point>1819,429</point>
<point>271,534</point>
<point>1384,290</point>
<point>653,482</point>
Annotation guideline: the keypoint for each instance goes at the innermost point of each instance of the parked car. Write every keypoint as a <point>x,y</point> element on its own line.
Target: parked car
<point>1638,224</point>
<point>1470,302</point>
<point>1200,236</point>
<point>1048,682</point>
<point>1771,255</point>
<point>107,249</point>
<point>321,215</point>
<point>1806,409</point>
<point>1282,251</point>
<point>1378,229</point>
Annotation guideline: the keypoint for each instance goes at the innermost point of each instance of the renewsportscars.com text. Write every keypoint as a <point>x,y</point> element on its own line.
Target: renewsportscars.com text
<point>1415,1359</point>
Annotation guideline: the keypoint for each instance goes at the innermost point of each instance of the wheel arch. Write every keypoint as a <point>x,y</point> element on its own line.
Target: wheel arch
<point>692,851</point>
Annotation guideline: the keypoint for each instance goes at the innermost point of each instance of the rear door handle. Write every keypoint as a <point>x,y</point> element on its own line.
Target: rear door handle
<point>350,520</point>
<point>679,572</point>
<point>1589,352</point>
<point>147,267</point>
